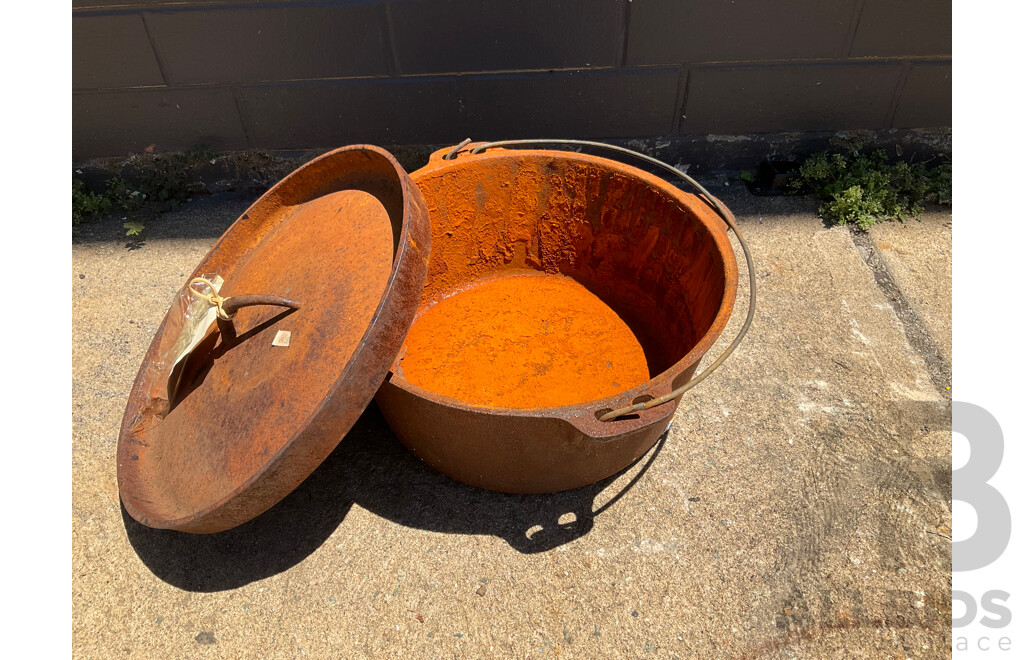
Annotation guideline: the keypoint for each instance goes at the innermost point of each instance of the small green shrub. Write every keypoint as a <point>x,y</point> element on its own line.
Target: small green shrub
<point>117,198</point>
<point>942,183</point>
<point>122,198</point>
<point>85,204</point>
<point>865,189</point>
<point>163,186</point>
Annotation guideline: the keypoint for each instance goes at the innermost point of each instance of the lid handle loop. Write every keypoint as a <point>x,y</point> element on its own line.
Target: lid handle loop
<point>228,307</point>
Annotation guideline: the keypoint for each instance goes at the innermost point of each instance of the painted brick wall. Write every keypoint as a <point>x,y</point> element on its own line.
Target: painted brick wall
<point>297,74</point>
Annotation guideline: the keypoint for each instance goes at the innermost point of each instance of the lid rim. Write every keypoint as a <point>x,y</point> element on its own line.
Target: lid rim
<point>346,398</point>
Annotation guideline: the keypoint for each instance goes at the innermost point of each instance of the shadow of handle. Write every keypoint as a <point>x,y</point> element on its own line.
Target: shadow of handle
<point>552,533</point>
<point>235,303</point>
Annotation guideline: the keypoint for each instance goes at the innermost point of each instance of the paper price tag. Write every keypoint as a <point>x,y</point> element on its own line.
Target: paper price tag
<point>282,338</point>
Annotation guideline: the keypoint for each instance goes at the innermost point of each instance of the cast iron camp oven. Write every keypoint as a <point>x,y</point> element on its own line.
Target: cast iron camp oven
<point>526,319</point>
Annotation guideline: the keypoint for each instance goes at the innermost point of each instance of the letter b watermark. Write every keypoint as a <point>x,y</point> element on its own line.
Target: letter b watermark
<point>970,485</point>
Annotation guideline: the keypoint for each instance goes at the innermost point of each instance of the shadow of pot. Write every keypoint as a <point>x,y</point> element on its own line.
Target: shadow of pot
<point>371,468</point>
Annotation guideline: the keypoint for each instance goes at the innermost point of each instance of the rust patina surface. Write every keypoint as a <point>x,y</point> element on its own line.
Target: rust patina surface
<point>521,416</point>
<point>347,235</point>
<point>559,286</point>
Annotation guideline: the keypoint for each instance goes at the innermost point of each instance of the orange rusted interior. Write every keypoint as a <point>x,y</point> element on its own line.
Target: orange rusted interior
<point>556,280</point>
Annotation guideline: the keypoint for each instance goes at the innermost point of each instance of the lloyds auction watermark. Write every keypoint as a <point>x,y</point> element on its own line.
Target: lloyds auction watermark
<point>992,536</point>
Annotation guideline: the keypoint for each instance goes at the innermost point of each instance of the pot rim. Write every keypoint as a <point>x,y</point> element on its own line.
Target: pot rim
<point>583,415</point>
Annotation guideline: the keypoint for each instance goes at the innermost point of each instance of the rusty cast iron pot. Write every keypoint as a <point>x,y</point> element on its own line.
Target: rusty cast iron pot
<point>659,257</point>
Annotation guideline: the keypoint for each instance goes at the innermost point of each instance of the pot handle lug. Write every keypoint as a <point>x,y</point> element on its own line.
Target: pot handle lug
<point>709,199</point>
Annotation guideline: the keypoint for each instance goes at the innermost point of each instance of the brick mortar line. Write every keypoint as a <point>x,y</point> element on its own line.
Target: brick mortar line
<point>391,43</point>
<point>243,115</point>
<point>152,49</point>
<point>940,372</point>
<point>897,94</point>
<point>624,55</point>
<point>520,73</point>
<point>851,35</point>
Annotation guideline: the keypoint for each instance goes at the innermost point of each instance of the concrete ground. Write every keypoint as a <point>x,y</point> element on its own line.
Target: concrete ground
<point>800,506</point>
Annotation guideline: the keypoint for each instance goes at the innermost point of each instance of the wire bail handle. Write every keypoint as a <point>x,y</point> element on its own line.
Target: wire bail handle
<point>704,196</point>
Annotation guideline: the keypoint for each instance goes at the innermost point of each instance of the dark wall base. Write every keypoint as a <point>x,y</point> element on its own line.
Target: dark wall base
<point>258,170</point>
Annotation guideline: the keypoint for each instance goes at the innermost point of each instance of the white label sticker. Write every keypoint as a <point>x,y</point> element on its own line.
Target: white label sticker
<point>282,338</point>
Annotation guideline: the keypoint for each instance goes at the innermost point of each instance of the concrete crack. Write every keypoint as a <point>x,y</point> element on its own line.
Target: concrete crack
<point>939,369</point>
